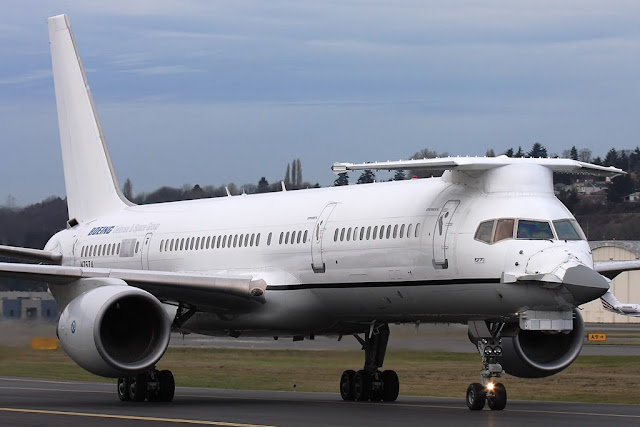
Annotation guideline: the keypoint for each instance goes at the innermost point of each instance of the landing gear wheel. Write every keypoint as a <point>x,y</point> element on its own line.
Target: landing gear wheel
<point>362,386</point>
<point>390,386</point>
<point>167,386</point>
<point>476,396</point>
<point>498,400</point>
<point>123,389</point>
<point>138,387</point>
<point>346,385</point>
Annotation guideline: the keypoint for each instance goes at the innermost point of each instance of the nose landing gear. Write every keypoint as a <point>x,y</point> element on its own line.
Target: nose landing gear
<point>487,337</point>
<point>370,383</point>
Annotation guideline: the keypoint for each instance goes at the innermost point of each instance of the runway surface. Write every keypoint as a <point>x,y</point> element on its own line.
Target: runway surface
<point>34,402</point>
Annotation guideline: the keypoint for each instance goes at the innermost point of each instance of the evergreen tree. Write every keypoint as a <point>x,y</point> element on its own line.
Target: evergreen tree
<point>509,152</point>
<point>287,177</point>
<point>263,185</point>
<point>399,175</point>
<point>519,153</point>
<point>294,174</point>
<point>573,155</point>
<point>538,150</point>
<point>342,179</point>
<point>620,187</point>
<point>298,173</point>
<point>611,159</point>
<point>127,189</point>
<point>366,177</point>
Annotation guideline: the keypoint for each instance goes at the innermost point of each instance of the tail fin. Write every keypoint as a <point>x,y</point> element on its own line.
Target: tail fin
<point>91,184</point>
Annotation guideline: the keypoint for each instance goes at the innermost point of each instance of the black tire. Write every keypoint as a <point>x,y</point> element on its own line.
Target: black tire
<point>498,401</point>
<point>362,386</point>
<point>167,386</point>
<point>346,385</point>
<point>476,396</point>
<point>123,389</point>
<point>390,386</point>
<point>138,387</point>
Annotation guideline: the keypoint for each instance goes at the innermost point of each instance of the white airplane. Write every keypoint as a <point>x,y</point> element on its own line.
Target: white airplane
<point>487,244</point>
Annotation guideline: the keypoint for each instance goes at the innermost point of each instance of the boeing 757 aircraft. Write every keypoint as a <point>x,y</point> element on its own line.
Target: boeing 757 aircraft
<point>487,244</point>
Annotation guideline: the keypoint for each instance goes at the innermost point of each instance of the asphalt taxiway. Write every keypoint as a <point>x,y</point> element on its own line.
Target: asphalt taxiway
<point>37,402</point>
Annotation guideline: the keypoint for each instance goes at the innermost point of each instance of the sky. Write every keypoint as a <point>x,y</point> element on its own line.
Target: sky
<point>213,92</point>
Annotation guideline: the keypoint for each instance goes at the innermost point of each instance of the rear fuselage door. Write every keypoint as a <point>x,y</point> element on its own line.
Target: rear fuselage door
<point>317,262</point>
<point>444,221</point>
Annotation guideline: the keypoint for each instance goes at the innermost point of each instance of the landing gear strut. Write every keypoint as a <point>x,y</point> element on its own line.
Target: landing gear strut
<point>370,383</point>
<point>152,385</point>
<point>487,337</point>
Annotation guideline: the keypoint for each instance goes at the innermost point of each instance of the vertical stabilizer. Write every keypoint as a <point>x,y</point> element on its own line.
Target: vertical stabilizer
<point>91,184</point>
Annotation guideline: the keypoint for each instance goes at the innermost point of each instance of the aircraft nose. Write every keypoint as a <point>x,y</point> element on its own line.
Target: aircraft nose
<point>584,283</point>
<point>560,266</point>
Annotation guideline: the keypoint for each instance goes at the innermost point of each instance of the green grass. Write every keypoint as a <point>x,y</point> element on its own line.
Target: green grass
<point>590,379</point>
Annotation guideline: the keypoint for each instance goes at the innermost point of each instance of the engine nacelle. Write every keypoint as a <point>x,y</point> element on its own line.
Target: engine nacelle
<point>537,354</point>
<point>115,330</point>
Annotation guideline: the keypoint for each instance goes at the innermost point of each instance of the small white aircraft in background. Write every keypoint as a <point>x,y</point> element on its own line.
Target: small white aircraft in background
<point>487,244</point>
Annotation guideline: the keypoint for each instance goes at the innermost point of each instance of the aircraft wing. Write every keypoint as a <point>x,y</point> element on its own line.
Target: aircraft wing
<point>204,292</point>
<point>28,254</point>
<point>611,269</point>
<point>480,164</point>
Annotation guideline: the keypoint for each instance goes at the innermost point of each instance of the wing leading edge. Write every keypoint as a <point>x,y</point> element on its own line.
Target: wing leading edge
<point>208,292</point>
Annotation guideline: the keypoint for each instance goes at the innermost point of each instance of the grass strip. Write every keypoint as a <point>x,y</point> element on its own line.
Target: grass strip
<point>597,379</point>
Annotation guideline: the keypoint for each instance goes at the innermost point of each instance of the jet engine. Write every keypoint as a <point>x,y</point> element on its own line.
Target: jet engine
<point>115,330</point>
<point>537,354</point>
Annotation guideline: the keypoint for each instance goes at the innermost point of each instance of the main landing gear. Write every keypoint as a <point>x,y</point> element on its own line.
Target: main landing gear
<point>152,385</point>
<point>370,383</point>
<point>486,336</point>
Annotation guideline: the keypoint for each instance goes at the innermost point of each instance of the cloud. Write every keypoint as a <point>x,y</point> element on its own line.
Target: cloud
<point>161,70</point>
<point>27,78</point>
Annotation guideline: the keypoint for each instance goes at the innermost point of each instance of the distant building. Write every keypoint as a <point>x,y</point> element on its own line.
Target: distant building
<point>633,197</point>
<point>622,286</point>
<point>28,306</point>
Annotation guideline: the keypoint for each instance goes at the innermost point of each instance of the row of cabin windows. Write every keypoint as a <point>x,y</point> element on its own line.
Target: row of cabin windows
<point>210,242</point>
<point>292,237</point>
<point>230,241</point>
<point>382,232</point>
<point>107,249</point>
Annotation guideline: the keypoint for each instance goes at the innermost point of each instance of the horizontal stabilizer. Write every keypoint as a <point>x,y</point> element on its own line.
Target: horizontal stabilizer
<point>210,292</point>
<point>480,164</point>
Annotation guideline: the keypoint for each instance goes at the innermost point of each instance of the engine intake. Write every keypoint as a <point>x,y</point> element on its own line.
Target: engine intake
<point>537,354</point>
<point>115,330</point>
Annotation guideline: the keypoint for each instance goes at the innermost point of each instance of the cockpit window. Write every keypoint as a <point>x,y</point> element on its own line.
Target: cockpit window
<point>528,229</point>
<point>567,229</point>
<point>484,231</point>
<point>504,229</point>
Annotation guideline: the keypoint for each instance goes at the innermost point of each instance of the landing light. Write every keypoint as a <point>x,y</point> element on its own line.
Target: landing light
<point>490,386</point>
